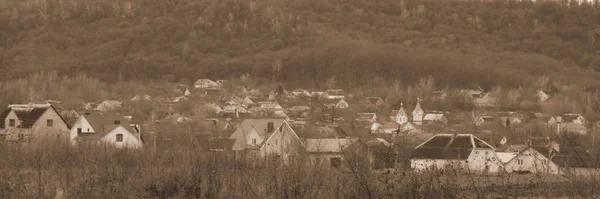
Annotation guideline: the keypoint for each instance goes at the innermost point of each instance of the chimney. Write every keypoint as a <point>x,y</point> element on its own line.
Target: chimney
<point>270,127</point>
<point>237,114</point>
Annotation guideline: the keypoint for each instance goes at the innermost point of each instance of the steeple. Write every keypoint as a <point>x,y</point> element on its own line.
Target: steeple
<point>401,116</point>
<point>417,114</point>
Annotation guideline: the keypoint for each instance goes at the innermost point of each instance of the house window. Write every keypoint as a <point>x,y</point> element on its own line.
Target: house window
<point>78,131</point>
<point>520,162</point>
<point>119,137</point>
<point>335,162</point>
<point>254,141</point>
<point>544,162</point>
<point>49,123</point>
<point>117,122</point>
<point>11,122</point>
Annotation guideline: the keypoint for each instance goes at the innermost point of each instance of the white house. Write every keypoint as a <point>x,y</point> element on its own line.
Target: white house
<point>336,103</point>
<point>454,151</point>
<point>334,94</point>
<point>103,128</point>
<point>531,161</point>
<point>206,84</point>
<point>433,117</point>
<point>484,160</point>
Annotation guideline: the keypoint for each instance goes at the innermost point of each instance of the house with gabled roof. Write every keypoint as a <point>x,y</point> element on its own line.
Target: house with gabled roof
<point>267,137</point>
<point>336,103</point>
<point>106,128</point>
<point>206,84</point>
<point>529,160</point>
<point>334,94</point>
<point>373,102</point>
<point>328,151</point>
<point>23,122</point>
<point>435,117</point>
<point>366,117</point>
<point>455,151</point>
<point>109,106</point>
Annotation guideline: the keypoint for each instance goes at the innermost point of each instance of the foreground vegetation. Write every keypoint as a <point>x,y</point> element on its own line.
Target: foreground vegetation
<point>301,43</point>
<point>46,171</point>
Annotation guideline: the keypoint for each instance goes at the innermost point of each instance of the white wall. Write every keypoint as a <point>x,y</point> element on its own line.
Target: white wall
<point>10,116</point>
<point>484,160</point>
<point>425,164</point>
<point>252,134</point>
<point>532,161</point>
<point>130,140</point>
<point>85,128</point>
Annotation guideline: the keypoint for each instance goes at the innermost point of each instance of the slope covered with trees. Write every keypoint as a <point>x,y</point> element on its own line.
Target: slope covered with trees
<point>304,42</point>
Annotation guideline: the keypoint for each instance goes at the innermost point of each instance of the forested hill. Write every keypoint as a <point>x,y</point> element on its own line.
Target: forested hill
<point>358,41</point>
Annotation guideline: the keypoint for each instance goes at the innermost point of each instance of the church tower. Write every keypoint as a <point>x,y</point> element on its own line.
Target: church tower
<point>417,114</point>
<point>401,116</point>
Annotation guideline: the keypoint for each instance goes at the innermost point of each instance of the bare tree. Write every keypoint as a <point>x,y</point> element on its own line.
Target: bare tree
<point>331,82</point>
<point>276,65</point>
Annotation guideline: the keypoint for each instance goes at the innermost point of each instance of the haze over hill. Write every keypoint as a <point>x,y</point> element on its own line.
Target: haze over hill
<point>359,42</point>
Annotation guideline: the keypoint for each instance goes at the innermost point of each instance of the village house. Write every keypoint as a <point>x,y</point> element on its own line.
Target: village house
<point>486,101</point>
<point>207,84</point>
<point>455,151</point>
<point>509,119</point>
<point>438,95</point>
<point>373,102</point>
<point>267,137</point>
<point>435,117</point>
<point>334,94</point>
<point>366,117</point>
<point>483,120</point>
<point>109,106</point>
<point>386,127</point>
<point>328,151</point>
<point>528,160</point>
<point>23,122</point>
<point>336,103</point>
<point>570,123</point>
<point>300,92</point>
<point>544,155</point>
<point>106,128</point>
<point>212,107</point>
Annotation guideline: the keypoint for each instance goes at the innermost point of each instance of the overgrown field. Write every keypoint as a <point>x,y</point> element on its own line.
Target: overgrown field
<point>45,171</point>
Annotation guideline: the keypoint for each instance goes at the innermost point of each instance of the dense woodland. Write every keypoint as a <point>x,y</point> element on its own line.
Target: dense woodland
<point>304,42</point>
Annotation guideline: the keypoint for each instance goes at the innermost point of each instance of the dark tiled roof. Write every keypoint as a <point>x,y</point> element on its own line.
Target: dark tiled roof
<point>448,146</point>
<point>3,117</point>
<point>27,116</point>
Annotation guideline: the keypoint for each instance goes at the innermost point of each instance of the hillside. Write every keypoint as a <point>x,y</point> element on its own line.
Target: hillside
<point>357,41</point>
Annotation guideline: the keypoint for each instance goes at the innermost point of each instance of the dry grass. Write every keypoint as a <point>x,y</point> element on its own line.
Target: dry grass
<point>44,171</point>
